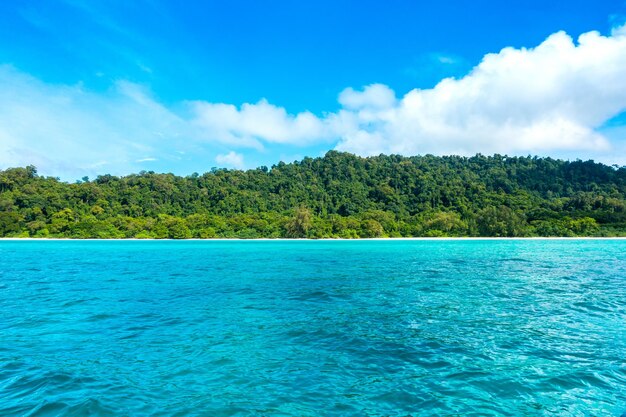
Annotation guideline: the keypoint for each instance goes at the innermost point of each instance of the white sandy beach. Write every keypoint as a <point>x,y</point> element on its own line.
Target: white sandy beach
<point>325,239</point>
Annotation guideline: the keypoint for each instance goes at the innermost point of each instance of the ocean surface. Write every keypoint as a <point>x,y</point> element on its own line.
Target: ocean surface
<point>307,328</point>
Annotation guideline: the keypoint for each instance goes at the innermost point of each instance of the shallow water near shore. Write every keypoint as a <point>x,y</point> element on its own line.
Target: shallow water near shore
<point>380,328</point>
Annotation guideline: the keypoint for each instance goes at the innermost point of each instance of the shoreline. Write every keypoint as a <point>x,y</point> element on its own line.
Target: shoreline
<point>313,240</point>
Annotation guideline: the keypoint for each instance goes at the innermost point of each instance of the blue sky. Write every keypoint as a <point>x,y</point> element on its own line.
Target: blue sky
<point>91,87</point>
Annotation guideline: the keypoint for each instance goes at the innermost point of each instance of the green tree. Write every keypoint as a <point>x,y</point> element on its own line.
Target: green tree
<point>501,221</point>
<point>9,223</point>
<point>300,223</point>
<point>371,228</point>
<point>338,195</point>
<point>445,223</point>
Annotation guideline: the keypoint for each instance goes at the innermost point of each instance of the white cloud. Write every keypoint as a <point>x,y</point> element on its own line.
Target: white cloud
<point>446,59</point>
<point>253,124</point>
<point>375,96</point>
<point>619,31</point>
<point>232,159</point>
<point>67,130</point>
<point>552,99</point>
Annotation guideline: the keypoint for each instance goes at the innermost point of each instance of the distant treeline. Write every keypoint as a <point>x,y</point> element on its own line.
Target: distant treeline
<point>339,195</point>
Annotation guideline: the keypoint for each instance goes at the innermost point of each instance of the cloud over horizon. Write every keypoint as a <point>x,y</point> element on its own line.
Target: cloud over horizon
<point>231,159</point>
<point>553,98</point>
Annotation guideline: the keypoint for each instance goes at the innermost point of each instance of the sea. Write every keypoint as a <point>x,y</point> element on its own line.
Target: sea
<point>313,328</point>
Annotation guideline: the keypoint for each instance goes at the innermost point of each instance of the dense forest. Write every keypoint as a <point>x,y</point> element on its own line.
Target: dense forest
<point>337,196</point>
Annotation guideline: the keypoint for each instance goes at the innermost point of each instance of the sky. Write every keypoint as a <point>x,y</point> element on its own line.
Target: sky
<point>96,87</point>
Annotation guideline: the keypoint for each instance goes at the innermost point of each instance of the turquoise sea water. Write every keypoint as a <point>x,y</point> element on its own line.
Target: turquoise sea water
<point>378,328</point>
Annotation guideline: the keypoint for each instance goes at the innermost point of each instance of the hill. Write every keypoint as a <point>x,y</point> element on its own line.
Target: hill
<point>338,195</point>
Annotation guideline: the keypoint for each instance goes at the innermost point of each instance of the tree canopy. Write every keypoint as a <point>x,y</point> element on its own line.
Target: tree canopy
<point>338,195</point>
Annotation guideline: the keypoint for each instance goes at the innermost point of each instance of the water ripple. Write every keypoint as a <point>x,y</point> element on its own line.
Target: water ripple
<point>420,328</point>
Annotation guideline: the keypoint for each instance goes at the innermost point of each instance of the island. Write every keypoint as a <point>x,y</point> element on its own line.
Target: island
<point>339,195</point>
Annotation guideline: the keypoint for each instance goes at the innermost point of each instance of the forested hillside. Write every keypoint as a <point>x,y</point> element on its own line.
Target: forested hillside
<point>339,195</point>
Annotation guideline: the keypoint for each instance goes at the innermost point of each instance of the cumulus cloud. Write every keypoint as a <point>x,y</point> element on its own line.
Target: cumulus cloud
<point>375,96</point>
<point>70,131</point>
<point>552,99</point>
<point>253,124</point>
<point>231,159</point>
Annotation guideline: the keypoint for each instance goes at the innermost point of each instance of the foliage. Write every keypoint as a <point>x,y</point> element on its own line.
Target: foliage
<point>337,196</point>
